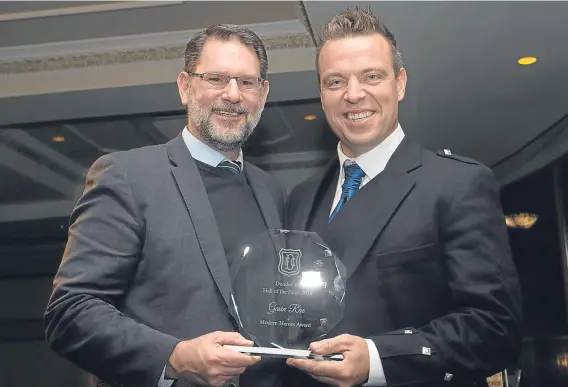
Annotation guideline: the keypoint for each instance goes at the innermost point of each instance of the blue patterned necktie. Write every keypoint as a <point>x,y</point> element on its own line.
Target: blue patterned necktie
<point>233,166</point>
<point>353,178</point>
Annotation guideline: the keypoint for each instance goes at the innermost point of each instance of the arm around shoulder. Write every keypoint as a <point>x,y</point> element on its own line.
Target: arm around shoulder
<point>82,322</point>
<point>480,333</point>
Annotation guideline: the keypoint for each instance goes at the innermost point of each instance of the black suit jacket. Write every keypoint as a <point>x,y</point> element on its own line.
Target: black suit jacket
<point>430,276</point>
<point>144,266</point>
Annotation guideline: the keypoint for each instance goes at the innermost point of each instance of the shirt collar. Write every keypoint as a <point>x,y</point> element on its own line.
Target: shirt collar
<point>204,153</point>
<point>374,161</point>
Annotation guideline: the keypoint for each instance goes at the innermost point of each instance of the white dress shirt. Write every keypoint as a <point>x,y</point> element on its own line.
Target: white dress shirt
<point>207,155</point>
<point>203,152</point>
<point>372,163</point>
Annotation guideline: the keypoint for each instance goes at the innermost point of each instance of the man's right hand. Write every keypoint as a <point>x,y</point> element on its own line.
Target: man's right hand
<point>204,359</point>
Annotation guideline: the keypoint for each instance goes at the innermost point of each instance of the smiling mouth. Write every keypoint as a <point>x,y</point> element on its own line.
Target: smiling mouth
<point>358,116</point>
<point>227,113</point>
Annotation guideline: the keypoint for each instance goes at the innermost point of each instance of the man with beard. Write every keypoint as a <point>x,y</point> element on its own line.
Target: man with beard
<point>142,294</point>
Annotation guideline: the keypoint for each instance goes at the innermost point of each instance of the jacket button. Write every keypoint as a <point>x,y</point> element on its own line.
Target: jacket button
<point>232,385</point>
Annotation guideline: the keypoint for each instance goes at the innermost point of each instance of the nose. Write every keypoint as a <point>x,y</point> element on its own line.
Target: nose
<point>355,92</point>
<point>232,93</point>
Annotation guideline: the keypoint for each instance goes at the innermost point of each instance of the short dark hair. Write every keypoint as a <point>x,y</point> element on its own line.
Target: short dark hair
<point>225,32</point>
<point>357,22</point>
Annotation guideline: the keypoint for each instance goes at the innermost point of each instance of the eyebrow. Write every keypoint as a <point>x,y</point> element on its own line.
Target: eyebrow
<point>227,73</point>
<point>380,71</point>
<point>326,76</point>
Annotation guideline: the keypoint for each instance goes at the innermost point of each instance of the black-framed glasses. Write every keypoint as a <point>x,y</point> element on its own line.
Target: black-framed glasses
<point>220,81</point>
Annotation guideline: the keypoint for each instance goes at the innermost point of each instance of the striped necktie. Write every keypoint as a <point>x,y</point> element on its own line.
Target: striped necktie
<point>353,178</point>
<point>233,166</point>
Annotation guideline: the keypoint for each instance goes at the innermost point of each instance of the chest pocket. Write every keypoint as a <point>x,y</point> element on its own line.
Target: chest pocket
<point>406,257</point>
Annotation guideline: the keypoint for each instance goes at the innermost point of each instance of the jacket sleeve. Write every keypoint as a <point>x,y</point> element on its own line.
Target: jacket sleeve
<point>480,335</point>
<point>83,322</point>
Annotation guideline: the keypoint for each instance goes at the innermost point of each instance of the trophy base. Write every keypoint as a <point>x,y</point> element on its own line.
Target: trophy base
<point>284,353</point>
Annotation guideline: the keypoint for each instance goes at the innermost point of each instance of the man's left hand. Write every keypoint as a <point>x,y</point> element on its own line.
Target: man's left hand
<point>352,371</point>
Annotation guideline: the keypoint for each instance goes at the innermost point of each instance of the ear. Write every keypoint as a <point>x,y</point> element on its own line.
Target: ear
<point>183,87</point>
<point>265,89</point>
<point>401,83</point>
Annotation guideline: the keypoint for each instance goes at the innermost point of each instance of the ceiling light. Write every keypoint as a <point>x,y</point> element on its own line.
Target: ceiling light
<point>58,139</point>
<point>521,220</point>
<point>310,117</point>
<point>526,60</point>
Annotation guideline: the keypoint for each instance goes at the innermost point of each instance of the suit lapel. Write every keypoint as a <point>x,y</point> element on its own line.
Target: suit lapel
<point>193,191</point>
<point>362,219</point>
<point>311,201</point>
<point>265,201</point>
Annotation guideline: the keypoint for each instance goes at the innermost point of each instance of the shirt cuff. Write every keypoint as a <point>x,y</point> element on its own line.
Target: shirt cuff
<point>163,382</point>
<point>376,372</point>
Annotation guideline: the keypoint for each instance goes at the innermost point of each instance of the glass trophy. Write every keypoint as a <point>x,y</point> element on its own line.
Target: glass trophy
<point>288,290</point>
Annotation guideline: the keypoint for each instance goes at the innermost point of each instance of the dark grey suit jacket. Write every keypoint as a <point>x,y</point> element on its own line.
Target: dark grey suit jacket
<point>144,266</point>
<point>430,275</point>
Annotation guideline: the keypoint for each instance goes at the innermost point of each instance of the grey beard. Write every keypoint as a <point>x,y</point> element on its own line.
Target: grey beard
<point>205,128</point>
